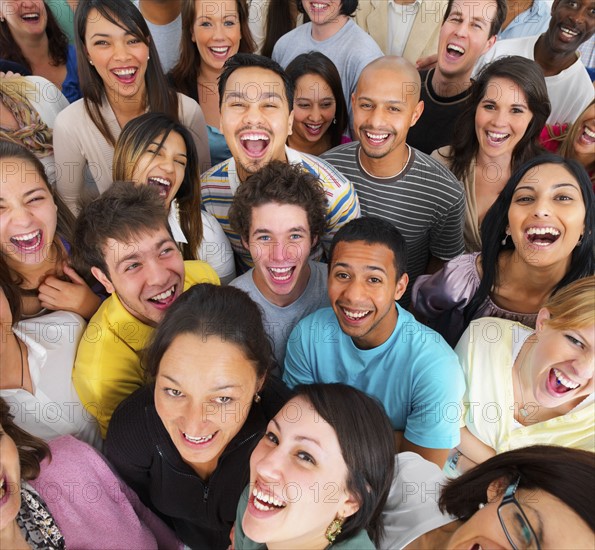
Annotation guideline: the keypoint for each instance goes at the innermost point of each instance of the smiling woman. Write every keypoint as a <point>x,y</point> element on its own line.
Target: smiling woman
<point>542,380</point>
<point>536,239</point>
<point>183,442</point>
<point>121,78</point>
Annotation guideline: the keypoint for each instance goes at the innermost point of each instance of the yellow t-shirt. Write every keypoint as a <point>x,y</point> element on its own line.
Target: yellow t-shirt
<point>107,368</point>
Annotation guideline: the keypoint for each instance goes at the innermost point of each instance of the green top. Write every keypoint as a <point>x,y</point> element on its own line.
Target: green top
<point>64,15</point>
<point>361,541</point>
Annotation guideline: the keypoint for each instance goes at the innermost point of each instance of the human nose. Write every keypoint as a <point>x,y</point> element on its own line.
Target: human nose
<point>315,114</point>
<point>121,51</point>
<point>156,274</point>
<point>166,163</point>
<point>20,216</point>
<point>252,115</point>
<point>352,291</point>
<point>269,467</point>
<point>541,208</point>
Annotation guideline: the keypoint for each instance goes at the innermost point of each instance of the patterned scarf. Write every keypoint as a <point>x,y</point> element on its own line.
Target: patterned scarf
<point>32,132</point>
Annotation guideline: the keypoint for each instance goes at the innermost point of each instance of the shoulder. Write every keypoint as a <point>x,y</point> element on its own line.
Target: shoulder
<point>129,421</point>
<point>427,163</point>
<point>72,113</point>
<point>218,173</point>
<point>325,171</point>
<point>244,282</point>
<point>197,271</point>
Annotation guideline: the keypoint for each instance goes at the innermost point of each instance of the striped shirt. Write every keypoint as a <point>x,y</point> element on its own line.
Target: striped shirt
<point>219,184</point>
<point>425,202</point>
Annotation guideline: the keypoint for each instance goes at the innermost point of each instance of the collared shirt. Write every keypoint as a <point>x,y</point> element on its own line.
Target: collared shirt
<point>400,22</point>
<point>530,22</point>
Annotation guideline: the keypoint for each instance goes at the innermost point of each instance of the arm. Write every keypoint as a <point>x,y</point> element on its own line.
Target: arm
<point>216,250</point>
<point>298,369</point>
<point>192,117</point>
<point>473,451</point>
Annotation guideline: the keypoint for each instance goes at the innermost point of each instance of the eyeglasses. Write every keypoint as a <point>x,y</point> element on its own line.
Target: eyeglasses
<point>514,522</point>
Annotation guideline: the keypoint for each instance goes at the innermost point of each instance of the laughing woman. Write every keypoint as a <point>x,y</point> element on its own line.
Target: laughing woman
<point>155,150</point>
<point>536,239</point>
<point>183,442</point>
<point>121,78</point>
<point>541,380</point>
<point>320,475</point>
<point>212,31</point>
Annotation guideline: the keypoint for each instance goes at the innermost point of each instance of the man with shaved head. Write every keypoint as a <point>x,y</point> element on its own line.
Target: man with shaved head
<point>395,181</point>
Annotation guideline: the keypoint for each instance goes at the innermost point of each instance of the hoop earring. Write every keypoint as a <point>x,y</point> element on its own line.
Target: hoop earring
<point>257,398</point>
<point>334,530</point>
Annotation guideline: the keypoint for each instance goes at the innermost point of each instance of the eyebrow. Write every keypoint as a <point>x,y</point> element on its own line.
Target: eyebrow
<point>135,255</point>
<point>319,99</point>
<point>389,101</point>
<point>108,35</point>
<point>366,267</point>
<point>489,100</point>
<point>299,437</point>
<point>216,389</point>
<point>229,96</point>
<point>556,186</point>
<point>30,192</point>
<point>263,230</point>
<point>162,146</point>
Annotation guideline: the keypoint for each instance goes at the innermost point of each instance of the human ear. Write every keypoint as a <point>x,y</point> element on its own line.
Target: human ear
<point>103,279</point>
<point>350,506</point>
<point>542,317</point>
<point>496,489</point>
<point>417,112</point>
<point>401,286</point>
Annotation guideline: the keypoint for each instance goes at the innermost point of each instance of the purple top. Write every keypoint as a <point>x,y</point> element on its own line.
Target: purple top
<point>442,298</point>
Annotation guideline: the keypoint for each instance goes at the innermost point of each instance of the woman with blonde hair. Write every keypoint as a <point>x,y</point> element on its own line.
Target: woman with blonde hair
<point>528,387</point>
<point>154,149</point>
<point>121,78</point>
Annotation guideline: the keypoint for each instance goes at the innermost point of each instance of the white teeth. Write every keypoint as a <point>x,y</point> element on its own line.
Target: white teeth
<point>160,181</point>
<point>314,127</point>
<point>124,72</point>
<point>164,295</point>
<point>260,498</point>
<point>319,6</point>
<point>28,236</point>
<point>497,136</point>
<point>543,231</point>
<point>565,381</point>
<point>220,49</point>
<point>254,137</point>
<point>355,315</point>
<point>376,137</point>
<point>456,48</point>
<point>590,133</point>
<point>568,31</point>
<point>198,439</point>
<point>281,273</point>
<point>30,16</point>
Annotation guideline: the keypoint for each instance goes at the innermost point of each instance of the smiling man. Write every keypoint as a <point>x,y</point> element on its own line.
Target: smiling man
<point>568,84</point>
<point>393,181</point>
<point>365,339</point>
<point>124,240</point>
<point>279,212</point>
<point>255,98</point>
<point>468,31</point>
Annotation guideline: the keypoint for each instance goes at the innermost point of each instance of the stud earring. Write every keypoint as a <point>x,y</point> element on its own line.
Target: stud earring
<point>481,505</point>
<point>1,19</point>
<point>257,398</point>
<point>334,530</point>
<point>334,121</point>
<point>90,62</point>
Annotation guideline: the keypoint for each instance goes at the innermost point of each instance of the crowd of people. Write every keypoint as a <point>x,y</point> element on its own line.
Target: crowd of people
<point>295,274</point>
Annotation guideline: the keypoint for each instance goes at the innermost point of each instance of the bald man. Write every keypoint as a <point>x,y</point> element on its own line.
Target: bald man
<point>395,181</point>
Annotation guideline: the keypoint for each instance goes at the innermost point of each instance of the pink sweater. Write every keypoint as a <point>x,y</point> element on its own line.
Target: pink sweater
<point>92,506</point>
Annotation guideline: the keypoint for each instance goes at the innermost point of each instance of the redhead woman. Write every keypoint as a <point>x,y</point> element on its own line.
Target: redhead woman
<point>530,386</point>
<point>321,474</point>
<point>497,132</point>
<point>35,232</point>
<point>31,37</point>
<point>155,150</point>
<point>184,441</point>
<point>536,238</point>
<point>212,31</point>
<point>121,78</point>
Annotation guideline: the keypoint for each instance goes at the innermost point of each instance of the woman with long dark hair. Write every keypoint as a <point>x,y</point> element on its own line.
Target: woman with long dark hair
<point>536,238</point>
<point>31,37</point>
<point>496,133</point>
<point>121,78</point>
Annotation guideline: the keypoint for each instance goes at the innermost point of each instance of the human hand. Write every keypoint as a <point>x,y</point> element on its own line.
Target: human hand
<point>74,295</point>
<point>427,62</point>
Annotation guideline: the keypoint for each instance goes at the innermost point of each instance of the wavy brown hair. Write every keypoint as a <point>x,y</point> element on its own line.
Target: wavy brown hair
<point>32,450</point>
<point>57,43</point>
<point>184,75</point>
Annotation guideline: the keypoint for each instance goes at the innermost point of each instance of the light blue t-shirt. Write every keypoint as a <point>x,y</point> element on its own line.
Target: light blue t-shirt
<point>415,374</point>
<point>217,145</point>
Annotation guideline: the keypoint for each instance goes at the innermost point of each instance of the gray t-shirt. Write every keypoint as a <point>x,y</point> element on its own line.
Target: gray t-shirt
<point>425,202</point>
<point>280,321</point>
<point>167,40</point>
<point>350,49</point>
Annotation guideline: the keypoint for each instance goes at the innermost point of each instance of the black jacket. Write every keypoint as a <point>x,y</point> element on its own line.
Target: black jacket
<point>201,513</point>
